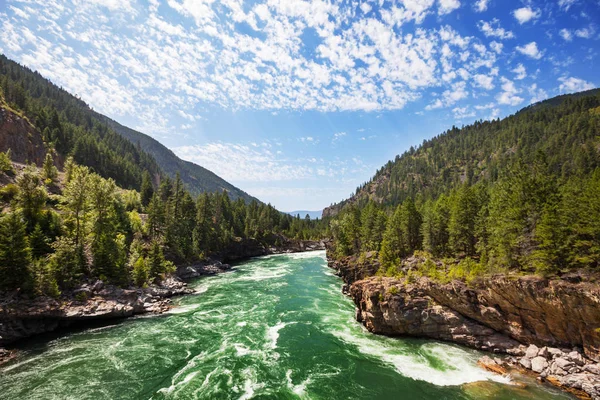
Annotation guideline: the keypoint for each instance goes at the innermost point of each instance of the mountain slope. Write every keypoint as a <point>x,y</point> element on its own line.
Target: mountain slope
<point>197,179</point>
<point>94,139</point>
<point>486,150</point>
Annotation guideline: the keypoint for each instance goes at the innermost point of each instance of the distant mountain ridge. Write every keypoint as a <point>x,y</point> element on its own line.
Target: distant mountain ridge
<point>313,214</point>
<point>198,179</point>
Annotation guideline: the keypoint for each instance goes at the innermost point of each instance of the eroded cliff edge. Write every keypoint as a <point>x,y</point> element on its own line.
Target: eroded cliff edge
<point>558,319</point>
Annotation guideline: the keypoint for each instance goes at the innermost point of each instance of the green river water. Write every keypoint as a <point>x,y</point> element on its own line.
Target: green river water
<point>275,327</point>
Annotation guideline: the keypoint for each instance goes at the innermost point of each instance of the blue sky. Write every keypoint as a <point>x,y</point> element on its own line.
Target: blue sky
<point>299,102</point>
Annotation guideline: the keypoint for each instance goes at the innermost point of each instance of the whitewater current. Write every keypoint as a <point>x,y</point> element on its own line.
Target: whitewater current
<point>275,327</point>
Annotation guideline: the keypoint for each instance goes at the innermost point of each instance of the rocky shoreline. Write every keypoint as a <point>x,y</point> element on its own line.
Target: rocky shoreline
<point>515,316</point>
<point>22,317</point>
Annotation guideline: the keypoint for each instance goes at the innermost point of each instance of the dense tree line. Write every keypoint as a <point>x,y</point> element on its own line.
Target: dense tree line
<point>532,206</point>
<point>57,230</point>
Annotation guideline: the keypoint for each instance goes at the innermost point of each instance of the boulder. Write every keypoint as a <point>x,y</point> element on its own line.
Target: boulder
<point>525,362</point>
<point>532,351</point>
<point>539,364</point>
<point>563,363</point>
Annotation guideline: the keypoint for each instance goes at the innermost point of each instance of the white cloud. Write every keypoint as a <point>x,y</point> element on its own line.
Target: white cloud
<point>509,94</point>
<point>484,81</point>
<point>481,5</point>
<point>19,12</point>
<point>497,47</point>
<point>526,14</point>
<point>571,85</point>
<point>337,136</point>
<point>366,8</point>
<point>243,163</point>
<point>463,113</point>
<point>585,33</point>
<point>530,50</point>
<point>493,29</point>
<point>538,94</point>
<point>566,34</point>
<point>447,6</point>
<point>520,71</point>
<point>450,96</point>
<point>566,4</point>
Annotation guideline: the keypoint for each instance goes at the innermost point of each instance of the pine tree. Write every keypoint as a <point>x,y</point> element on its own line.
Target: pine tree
<point>147,190</point>
<point>15,254</point>
<point>395,244</point>
<point>49,171</point>
<point>32,196</point>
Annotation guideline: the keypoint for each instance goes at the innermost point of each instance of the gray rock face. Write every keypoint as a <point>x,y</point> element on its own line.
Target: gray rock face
<point>21,317</point>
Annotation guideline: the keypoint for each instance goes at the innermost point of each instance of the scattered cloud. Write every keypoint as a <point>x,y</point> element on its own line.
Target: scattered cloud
<point>571,85</point>
<point>526,14</point>
<point>585,33</point>
<point>520,72</point>
<point>509,94</point>
<point>566,4</point>
<point>484,81</point>
<point>493,29</point>
<point>337,136</point>
<point>447,6</point>
<point>244,163</point>
<point>481,5</point>
<point>566,34</point>
<point>530,50</point>
<point>537,93</point>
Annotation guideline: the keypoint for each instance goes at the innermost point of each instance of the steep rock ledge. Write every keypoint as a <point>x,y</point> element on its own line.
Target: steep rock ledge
<point>501,314</point>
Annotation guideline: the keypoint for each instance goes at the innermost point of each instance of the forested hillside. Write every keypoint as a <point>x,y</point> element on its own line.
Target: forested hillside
<point>517,194</point>
<point>564,129</point>
<point>79,202</point>
<point>97,141</point>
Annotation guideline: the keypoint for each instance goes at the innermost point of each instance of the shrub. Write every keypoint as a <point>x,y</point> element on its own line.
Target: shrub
<point>5,163</point>
<point>9,192</point>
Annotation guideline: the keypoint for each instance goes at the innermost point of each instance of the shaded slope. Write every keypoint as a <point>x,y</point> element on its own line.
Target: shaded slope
<point>197,178</point>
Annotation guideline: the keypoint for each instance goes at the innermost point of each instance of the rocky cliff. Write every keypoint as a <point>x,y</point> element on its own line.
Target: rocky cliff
<point>19,135</point>
<point>501,314</point>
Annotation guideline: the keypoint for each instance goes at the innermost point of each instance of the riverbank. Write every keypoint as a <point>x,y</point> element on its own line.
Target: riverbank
<point>22,316</point>
<point>500,314</point>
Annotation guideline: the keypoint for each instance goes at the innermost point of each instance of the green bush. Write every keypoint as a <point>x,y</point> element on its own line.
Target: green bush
<point>9,192</point>
<point>5,163</point>
<point>393,290</point>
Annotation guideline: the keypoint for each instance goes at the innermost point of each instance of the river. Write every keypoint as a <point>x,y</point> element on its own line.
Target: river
<point>275,327</point>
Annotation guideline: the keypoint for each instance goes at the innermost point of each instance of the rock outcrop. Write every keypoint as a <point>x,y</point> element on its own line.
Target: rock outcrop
<point>18,134</point>
<point>21,317</point>
<point>388,306</point>
<point>500,314</point>
<point>558,312</point>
